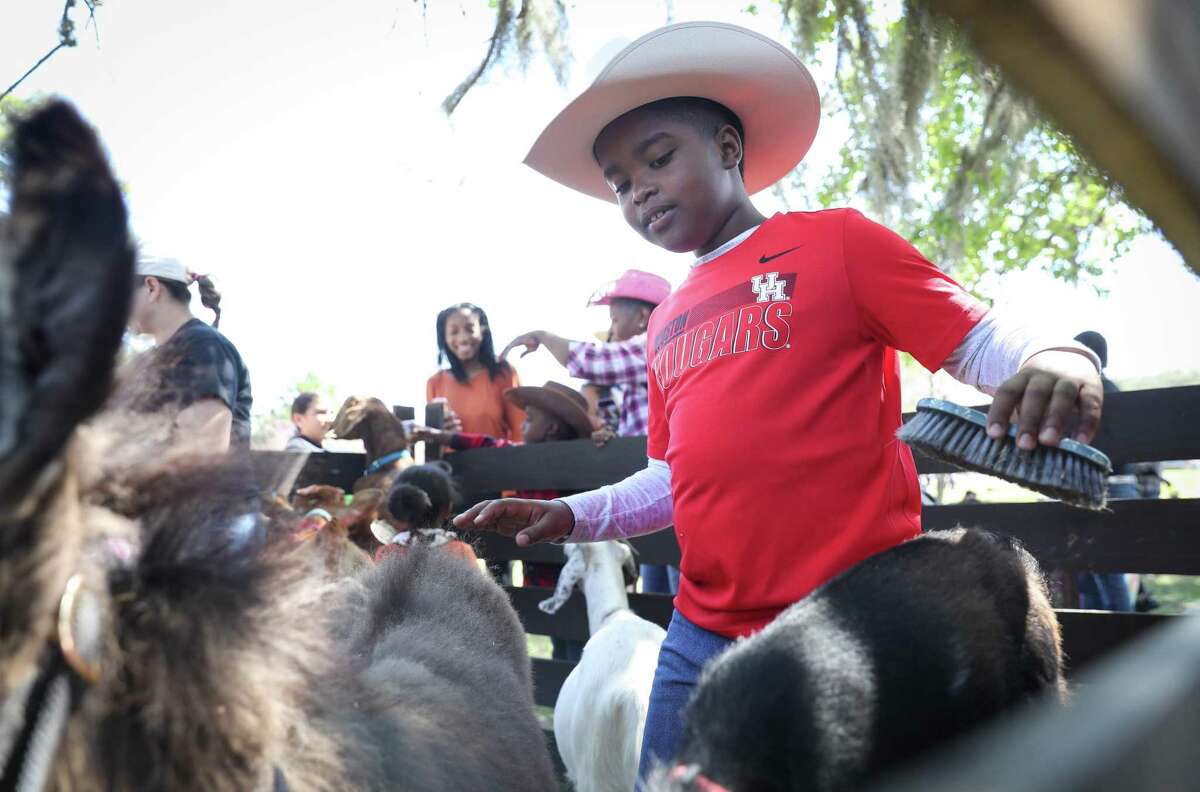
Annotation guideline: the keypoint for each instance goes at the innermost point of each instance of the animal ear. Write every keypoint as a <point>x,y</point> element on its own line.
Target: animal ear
<point>349,418</point>
<point>629,563</point>
<point>363,509</point>
<point>66,275</point>
<point>570,575</point>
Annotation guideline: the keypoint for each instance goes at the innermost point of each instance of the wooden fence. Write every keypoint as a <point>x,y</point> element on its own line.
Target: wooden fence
<point>1150,536</point>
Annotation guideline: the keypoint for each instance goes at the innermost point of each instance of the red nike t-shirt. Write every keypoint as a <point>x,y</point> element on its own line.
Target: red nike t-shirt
<point>775,398</point>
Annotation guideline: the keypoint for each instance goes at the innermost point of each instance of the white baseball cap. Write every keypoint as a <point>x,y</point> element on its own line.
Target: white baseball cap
<point>167,268</point>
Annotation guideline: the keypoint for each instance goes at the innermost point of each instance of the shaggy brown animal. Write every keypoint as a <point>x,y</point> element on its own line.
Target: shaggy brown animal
<point>145,642</point>
<point>343,540</point>
<point>384,439</point>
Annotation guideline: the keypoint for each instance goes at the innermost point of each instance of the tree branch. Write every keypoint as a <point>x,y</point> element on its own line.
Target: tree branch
<point>66,38</point>
<point>32,69</point>
<point>495,45</point>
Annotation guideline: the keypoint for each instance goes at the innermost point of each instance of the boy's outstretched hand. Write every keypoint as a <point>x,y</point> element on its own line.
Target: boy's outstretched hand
<point>531,521</point>
<point>1056,394</point>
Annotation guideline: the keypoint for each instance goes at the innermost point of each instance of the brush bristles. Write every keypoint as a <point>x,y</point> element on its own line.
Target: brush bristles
<point>1051,471</point>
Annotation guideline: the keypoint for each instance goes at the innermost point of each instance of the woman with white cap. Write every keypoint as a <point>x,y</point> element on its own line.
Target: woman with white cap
<point>193,368</point>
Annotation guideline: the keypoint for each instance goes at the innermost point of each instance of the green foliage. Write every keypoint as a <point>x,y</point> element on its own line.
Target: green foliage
<point>942,149</point>
<point>939,146</point>
<point>10,109</point>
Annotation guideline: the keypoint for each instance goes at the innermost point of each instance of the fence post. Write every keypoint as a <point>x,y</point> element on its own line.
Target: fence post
<point>435,418</point>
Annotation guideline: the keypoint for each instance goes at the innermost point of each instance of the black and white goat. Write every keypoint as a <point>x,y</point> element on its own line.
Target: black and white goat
<point>908,649</point>
<point>601,709</point>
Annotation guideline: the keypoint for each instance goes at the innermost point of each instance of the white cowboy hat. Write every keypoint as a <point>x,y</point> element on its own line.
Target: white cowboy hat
<point>760,80</point>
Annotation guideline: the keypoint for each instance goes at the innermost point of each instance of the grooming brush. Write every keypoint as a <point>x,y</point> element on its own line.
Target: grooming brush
<point>1072,472</point>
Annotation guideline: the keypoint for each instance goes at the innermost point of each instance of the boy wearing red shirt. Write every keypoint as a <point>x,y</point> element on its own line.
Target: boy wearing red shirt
<point>788,324</point>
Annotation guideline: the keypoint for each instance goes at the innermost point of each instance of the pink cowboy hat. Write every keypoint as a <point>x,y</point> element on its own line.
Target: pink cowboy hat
<point>760,80</point>
<point>633,285</point>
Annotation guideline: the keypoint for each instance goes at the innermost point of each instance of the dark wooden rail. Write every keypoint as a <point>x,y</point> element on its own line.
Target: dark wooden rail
<point>1151,536</point>
<point>1132,724</point>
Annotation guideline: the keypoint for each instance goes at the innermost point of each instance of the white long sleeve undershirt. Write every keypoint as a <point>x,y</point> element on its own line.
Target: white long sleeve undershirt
<point>992,352</point>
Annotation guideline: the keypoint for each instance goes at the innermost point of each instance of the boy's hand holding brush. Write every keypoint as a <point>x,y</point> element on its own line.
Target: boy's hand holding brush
<point>1056,394</point>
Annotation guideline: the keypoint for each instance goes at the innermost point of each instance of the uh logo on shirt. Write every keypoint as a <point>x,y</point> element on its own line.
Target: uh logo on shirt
<point>754,316</point>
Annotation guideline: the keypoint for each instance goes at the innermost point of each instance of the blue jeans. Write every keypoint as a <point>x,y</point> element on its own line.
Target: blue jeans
<point>1103,591</point>
<point>659,579</point>
<point>684,653</point>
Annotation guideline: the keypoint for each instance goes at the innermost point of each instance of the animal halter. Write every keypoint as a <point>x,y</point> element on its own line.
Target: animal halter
<point>384,461</point>
<point>34,717</point>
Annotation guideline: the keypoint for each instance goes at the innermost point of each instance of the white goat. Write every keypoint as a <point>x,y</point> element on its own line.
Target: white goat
<point>601,709</point>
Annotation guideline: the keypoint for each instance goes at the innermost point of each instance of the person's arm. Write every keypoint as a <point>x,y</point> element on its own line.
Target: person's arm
<point>907,303</point>
<point>533,340</point>
<point>640,504</point>
<point>609,363</point>
<point>204,426</point>
<point>207,382</point>
<point>998,347</point>
<point>997,353</point>
<point>459,441</point>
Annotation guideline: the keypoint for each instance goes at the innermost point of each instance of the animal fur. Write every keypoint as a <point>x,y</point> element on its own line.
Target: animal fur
<point>334,547</point>
<point>224,664</point>
<point>905,651</point>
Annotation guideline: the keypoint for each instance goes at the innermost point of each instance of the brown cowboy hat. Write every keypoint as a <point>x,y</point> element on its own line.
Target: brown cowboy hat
<point>564,403</point>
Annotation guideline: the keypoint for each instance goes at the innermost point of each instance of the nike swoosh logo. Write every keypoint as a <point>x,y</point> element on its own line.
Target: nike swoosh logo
<point>765,259</point>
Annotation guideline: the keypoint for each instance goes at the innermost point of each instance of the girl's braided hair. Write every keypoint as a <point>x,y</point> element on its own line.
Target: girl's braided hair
<point>210,298</point>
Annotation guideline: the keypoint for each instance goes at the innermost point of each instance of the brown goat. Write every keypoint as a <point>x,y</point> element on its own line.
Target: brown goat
<point>384,439</point>
<point>151,638</point>
<point>339,533</point>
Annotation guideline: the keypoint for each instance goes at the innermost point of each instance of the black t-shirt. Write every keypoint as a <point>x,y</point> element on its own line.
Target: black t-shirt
<point>197,363</point>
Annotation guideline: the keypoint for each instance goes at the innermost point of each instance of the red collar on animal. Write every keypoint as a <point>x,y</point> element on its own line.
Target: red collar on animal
<point>691,774</point>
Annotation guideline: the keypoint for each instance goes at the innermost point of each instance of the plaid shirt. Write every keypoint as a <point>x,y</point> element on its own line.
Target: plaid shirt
<point>620,363</point>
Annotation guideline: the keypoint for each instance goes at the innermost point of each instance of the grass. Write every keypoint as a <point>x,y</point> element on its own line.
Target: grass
<point>539,646</point>
<point>1175,593</point>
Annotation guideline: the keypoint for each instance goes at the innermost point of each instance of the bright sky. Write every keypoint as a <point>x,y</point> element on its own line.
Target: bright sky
<point>297,153</point>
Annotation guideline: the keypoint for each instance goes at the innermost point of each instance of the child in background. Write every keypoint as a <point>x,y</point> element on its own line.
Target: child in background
<point>554,412</point>
<point>475,381</point>
<point>618,362</point>
<point>419,506</point>
<point>781,343</point>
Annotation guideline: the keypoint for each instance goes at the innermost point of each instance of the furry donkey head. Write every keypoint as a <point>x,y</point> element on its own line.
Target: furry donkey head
<point>154,634</point>
<point>129,602</point>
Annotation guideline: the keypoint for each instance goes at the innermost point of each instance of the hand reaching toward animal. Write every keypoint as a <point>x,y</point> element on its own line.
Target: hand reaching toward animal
<point>530,521</point>
<point>1056,394</point>
<point>601,436</point>
<point>451,422</point>
<point>429,435</point>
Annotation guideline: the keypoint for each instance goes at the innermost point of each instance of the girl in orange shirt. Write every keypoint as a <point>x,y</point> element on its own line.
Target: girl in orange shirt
<point>475,382</point>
